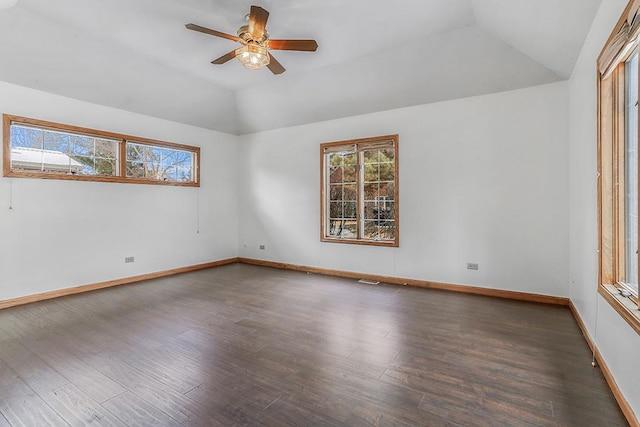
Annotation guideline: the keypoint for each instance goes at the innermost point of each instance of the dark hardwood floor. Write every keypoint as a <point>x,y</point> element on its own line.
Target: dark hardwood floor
<point>247,345</point>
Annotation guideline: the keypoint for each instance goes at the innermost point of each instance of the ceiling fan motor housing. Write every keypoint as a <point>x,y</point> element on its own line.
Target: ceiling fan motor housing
<point>246,36</point>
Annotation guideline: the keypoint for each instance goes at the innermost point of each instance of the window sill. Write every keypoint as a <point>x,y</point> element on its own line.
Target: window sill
<point>387,243</point>
<point>96,178</point>
<point>627,308</point>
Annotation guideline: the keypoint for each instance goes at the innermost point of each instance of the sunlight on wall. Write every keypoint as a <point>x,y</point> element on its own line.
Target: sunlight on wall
<point>281,205</point>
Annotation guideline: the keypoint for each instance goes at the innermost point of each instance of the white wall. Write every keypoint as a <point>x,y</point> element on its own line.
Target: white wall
<point>482,180</point>
<point>61,234</point>
<point>618,343</point>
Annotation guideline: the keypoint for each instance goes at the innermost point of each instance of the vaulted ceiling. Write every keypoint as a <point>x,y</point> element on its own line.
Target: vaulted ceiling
<point>373,55</point>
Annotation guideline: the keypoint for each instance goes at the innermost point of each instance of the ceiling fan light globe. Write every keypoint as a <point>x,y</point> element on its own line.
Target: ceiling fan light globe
<point>253,56</point>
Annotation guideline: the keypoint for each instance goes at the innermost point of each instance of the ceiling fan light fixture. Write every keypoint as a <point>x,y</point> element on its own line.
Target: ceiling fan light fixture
<point>253,56</point>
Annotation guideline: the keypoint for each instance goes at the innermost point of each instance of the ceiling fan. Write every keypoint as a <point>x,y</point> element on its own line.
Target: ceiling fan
<point>256,44</point>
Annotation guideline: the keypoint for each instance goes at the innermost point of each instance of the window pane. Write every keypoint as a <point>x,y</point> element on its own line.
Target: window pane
<point>350,210</point>
<point>388,190</point>
<point>350,173</point>
<point>335,192</point>
<point>106,149</point>
<point>56,141</point>
<point>136,165</point>
<point>336,175</point>
<point>342,192</point>
<point>350,230</point>
<point>22,136</point>
<point>379,230</point>
<point>350,159</point>
<point>388,154</point>
<point>135,170</point>
<point>375,190</point>
<point>343,228</point>
<point>631,168</point>
<point>335,159</point>
<point>167,161</point>
<point>387,171</point>
<point>379,165</point>
<point>336,210</point>
<point>343,167</point>
<point>371,156</point>
<point>371,191</point>
<point>342,210</point>
<point>81,146</point>
<point>381,209</point>
<point>343,158</point>
<point>335,227</point>
<point>350,192</point>
<point>371,172</point>
<point>184,166</point>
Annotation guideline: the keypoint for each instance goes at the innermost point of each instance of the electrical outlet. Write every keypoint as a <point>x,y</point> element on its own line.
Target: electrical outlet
<point>129,259</point>
<point>261,247</point>
<point>472,266</point>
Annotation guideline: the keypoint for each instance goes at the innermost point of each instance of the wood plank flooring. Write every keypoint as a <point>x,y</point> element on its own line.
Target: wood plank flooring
<point>246,345</point>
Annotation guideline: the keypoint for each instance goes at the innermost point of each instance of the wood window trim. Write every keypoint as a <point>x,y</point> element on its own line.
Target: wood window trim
<point>610,69</point>
<point>123,139</point>
<point>626,307</point>
<point>370,142</point>
<point>627,28</point>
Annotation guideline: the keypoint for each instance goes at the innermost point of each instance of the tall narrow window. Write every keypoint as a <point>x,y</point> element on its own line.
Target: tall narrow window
<point>359,191</point>
<point>618,167</point>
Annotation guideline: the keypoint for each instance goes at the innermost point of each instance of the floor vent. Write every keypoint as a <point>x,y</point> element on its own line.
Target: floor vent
<point>368,282</point>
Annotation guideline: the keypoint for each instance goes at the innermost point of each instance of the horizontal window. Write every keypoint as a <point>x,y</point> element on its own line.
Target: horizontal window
<point>39,149</point>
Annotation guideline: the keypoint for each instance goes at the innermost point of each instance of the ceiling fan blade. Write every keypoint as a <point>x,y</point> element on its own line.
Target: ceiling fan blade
<point>258,22</point>
<point>195,27</point>
<point>304,45</point>
<point>275,66</point>
<point>226,57</point>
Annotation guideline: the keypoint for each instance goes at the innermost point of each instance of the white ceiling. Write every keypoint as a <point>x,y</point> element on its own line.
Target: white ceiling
<point>373,55</point>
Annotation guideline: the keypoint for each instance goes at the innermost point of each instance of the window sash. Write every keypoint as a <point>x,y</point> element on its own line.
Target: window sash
<point>613,164</point>
<point>159,162</point>
<point>40,149</point>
